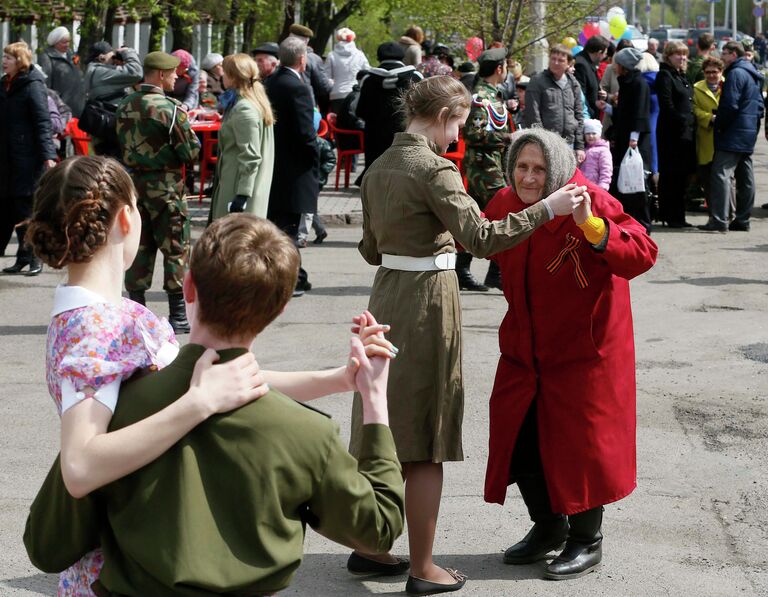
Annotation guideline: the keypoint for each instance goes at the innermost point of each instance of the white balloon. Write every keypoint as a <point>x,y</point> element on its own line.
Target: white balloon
<point>615,11</point>
<point>605,29</point>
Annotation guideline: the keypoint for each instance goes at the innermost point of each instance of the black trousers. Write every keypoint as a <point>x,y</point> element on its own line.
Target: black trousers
<point>14,211</point>
<point>289,223</point>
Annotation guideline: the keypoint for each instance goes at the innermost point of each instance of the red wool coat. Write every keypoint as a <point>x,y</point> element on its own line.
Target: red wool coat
<point>567,341</point>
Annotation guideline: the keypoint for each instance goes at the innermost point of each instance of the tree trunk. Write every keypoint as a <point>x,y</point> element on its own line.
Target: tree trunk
<point>249,29</point>
<point>318,18</point>
<point>91,27</point>
<point>289,18</point>
<point>229,32</point>
<point>158,25</point>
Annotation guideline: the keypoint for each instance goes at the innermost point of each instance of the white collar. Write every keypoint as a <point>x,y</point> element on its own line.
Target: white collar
<point>74,297</point>
<point>295,72</point>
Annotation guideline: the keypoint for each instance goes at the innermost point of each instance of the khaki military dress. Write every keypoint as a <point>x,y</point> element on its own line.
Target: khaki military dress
<point>414,204</point>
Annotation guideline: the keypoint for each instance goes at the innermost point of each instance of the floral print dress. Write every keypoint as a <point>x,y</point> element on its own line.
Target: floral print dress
<point>92,346</point>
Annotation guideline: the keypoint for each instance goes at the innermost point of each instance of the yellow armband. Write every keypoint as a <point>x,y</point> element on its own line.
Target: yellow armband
<point>593,229</point>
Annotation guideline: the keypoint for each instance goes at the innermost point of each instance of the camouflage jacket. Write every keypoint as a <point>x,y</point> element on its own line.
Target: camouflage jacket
<point>488,126</point>
<point>154,131</point>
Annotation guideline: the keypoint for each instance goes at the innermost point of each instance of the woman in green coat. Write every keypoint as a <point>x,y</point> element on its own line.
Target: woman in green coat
<point>246,142</point>
<point>706,97</point>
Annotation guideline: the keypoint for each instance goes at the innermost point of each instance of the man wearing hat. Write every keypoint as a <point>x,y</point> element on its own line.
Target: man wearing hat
<point>486,136</point>
<point>156,142</point>
<point>380,89</point>
<point>315,71</point>
<point>59,64</point>
<point>632,127</point>
<point>266,58</point>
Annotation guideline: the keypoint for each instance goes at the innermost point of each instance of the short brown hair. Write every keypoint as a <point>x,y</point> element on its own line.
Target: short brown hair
<point>75,206</point>
<point>705,41</point>
<point>560,49</point>
<point>21,52</point>
<point>674,47</point>
<point>429,96</point>
<point>736,47</point>
<point>415,32</point>
<point>245,270</point>
<point>712,61</point>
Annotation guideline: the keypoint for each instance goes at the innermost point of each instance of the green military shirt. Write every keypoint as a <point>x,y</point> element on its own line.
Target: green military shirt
<point>224,510</point>
<point>486,136</point>
<point>154,131</point>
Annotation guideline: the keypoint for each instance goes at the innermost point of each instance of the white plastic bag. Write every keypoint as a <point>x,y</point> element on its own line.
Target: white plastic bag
<point>631,174</point>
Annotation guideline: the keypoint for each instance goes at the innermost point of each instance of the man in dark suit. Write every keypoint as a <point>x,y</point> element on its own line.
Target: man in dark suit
<point>295,185</point>
<point>587,60</point>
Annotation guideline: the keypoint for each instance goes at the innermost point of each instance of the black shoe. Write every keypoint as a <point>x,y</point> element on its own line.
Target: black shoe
<point>304,286</point>
<point>16,267</point>
<point>710,227</point>
<point>468,282</point>
<point>764,206</point>
<point>679,225</point>
<point>576,560</point>
<point>137,296</point>
<point>178,313</point>
<point>543,538</point>
<point>35,267</point>
<point>297,293</point>
<point>320,238</point>
<point>361,566</point>
<point>419,586</point>
<point>738,226</point>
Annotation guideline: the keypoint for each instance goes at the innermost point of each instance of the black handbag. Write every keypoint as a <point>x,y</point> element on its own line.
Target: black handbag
<point>98,119</point>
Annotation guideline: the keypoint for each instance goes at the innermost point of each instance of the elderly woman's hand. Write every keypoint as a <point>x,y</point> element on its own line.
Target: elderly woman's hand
<point>584,210</point>
<point>564,200</point>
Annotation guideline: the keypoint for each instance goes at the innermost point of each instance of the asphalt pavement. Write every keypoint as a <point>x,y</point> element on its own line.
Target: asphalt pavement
<point>696,524</point>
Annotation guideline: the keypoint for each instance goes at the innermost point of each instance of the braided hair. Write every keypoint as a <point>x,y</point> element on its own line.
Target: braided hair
<point>75,205</point>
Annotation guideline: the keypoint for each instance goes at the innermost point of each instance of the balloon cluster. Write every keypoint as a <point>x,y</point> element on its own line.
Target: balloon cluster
<point>613,28</point>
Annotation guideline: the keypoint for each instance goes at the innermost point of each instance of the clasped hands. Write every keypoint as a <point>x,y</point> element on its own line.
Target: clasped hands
<point>572,199</point>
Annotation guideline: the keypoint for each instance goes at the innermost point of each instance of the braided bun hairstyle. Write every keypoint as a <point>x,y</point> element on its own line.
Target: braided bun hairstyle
<point>75,205</point>
<point>426,98</point>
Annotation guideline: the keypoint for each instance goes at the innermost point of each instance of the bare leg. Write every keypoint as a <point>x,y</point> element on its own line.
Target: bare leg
<point>423,488</point>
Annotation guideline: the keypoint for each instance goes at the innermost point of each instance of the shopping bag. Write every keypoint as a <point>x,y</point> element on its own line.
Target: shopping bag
<point>631,174</point>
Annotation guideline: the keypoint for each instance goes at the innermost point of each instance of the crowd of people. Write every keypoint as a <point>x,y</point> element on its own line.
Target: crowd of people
<point>556,186</point>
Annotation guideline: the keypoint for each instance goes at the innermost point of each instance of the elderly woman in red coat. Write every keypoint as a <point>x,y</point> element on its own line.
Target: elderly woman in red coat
<point>562,411</point>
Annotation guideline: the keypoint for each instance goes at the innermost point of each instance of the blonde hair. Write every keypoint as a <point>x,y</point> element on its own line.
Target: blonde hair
<point>21,52</point>
<point>674,47</point>
<point>427,98</point>
<point>243,71</point>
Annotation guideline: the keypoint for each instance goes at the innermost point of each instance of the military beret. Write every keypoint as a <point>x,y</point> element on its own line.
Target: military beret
<point>160,61</point>
<point>493,55</point>
<point>269,47</point>
<point>301,30</point>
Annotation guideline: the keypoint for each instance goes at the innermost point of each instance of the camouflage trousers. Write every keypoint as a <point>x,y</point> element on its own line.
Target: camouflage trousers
<point>164,226</point>
<point>485,175</point>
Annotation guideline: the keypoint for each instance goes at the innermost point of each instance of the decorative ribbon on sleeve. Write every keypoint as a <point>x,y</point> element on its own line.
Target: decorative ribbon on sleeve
<point>571,244</point>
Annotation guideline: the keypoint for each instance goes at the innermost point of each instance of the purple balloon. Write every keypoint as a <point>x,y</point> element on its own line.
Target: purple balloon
<point>582,38</point>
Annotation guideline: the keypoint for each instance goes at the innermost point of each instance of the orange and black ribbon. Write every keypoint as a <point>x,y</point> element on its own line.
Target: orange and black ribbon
<point>571,244</point>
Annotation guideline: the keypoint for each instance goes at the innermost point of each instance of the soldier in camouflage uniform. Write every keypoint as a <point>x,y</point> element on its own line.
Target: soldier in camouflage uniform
<point>487,134</point>
<point>156,142</point>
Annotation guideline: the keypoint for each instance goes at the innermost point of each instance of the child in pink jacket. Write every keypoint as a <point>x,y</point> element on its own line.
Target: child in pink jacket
<point>598,164</point>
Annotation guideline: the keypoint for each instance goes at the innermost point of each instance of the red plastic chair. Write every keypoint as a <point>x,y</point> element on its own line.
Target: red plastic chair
<point>80,139</point>
<point>208,159</point>
<point>457,157</point>
<point>344,156</point>
<point>322,130</point>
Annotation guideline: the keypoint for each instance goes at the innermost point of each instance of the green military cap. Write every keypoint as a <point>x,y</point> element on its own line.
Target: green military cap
<point>493,55</point>
<point>160,61</point>
<point>301,30</point>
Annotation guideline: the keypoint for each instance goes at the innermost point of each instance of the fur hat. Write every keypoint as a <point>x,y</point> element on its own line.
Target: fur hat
<point>57,35</point>
<point>593,126</point>
<point>211,60</point>
<point>558,155</point>
<point>185,58</point>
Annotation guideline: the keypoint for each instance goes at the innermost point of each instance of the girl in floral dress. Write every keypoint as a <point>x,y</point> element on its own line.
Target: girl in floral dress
<point>85,219</point>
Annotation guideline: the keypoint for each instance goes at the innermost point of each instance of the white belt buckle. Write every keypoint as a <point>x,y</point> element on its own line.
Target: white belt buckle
<point>445,261</point>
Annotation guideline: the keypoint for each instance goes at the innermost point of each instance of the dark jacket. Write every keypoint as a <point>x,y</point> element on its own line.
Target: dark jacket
<point>65,77</point>
<point>741,108</point>
<point>586,75</point>
<point>109,81</point>
<point>294,182</point>
<point>676,119</point>
<point>555,109</point>
<point>632,114</point>
<point>26,137</point>
<point>377,106</point>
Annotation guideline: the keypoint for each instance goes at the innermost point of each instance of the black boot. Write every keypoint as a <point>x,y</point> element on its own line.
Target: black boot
<point>493,277</point>
<point>466,280</point>
<point>35,267</point>
<point>549,530</point>
<point>583,550</point>
<point>178,313</point>
<point>137,296</point>
<point>17,267</point>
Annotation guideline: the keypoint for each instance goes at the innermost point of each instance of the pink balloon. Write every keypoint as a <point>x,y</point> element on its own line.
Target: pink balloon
<point>474,47</point>
<point>591,29</point>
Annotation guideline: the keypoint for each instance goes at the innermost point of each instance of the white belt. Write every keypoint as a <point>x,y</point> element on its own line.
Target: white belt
<point>419,264</point>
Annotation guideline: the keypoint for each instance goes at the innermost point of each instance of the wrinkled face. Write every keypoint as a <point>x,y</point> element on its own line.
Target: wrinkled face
<point>653,45</point>
<point>10,65</point>
<point>558,64</point>
<point>62,45</point>
<point>712,75</point>
<point>266,63</point>
<point>530,174</point>
<point>203,83</point>
<point>447,132</point>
